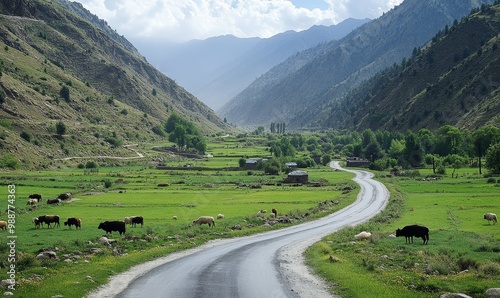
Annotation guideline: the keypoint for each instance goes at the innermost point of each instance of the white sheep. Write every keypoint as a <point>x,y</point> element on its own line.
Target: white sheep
<point>209,220</point>
<point>128,220</point>
<point>174,217</point>
<point>363,235</point>
<point>272,216</point>
<point>261,211</point>
<point>491,217</point>
<point>220,216</point>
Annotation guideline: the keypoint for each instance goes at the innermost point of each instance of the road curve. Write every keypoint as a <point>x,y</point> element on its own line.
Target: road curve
<point>249,266</point>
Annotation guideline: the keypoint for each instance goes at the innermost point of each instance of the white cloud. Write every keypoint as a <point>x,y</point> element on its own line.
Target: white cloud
<point>181,20</point>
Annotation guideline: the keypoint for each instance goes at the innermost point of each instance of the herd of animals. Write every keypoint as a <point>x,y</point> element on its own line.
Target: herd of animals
<point>408,232</point>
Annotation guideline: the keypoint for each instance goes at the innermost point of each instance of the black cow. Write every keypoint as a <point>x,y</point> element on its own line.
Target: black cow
<point>64,196</point>
<point>109,226</point>
<point>48,219</point>
<point>74,221</point>
<point>54,201</point>
<point>137,220</point>
<point>414,230</point>
<point>36,196</point>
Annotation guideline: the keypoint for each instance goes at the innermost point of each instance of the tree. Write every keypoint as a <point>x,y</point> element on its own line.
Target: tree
<point>493,158</point>
<point>184,134</point>
<point>60,128</point>
<point>413,152</point>
<point>64,92</point>
<point>373,151</point>
<point>325,159</point>
<point>482,139</point>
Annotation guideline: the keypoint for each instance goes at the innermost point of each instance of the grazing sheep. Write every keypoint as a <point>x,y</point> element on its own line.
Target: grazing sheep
<point>220,216</point>
<point>209,220</point>
<point>272,216</point>
<point>174,217</point>
<point>3,225</point>
<point>491,217</point>
<point>128,220</point>
<point>31,202</point>
<point>363,236</point>
<point>261,211</point>
<point>37,222</point>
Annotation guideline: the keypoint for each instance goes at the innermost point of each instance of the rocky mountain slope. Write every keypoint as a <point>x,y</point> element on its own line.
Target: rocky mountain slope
<point>59,67</point>
<point>455,79</point>
<point>296,95</point>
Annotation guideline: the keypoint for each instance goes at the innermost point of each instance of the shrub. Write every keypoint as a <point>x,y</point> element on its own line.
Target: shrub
<point>91,164</point>
<point>3,96</point>
<point>26,136</point>
<point>108,183</point>
<point>9,160</point>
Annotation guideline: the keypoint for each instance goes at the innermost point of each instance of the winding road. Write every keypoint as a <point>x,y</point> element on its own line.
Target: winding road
<point>254,266</point>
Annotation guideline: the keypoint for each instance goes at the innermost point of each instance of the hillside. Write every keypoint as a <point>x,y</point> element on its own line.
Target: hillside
<point>60,67</point>
<point>297,97</point>
<point>218,68</point>
<point>453,80</point>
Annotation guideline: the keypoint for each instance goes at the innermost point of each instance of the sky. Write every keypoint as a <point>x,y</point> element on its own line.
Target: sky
<point>183,20</point>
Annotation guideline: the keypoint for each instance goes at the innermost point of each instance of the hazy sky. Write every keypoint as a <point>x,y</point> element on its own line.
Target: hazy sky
<point>181,20</point>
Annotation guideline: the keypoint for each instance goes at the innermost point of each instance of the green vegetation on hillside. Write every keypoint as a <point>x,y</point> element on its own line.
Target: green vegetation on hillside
<point>59,69</point>
<point>451,80</point>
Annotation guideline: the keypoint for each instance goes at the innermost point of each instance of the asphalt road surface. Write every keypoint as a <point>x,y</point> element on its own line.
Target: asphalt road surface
<point>253,266</point>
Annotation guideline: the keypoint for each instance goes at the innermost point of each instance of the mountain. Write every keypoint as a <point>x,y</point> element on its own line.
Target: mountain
<point>455,79</point>
<point>218,68</point>
<point>61,64</point>
<point>296,95</point>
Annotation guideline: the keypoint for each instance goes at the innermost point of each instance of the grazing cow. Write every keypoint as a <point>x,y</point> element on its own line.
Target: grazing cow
<point>31,202</point>
<point>414,230</point>
<point>36,196</point>
<point>48,219</point>
<point>74,221</point>
<point>3,225</point>
<point>64,196</point>
<point>491,217</point>
<point>110,226</point>
<point>137,220</point>
<point>53,201</point>
<point>209,220</point>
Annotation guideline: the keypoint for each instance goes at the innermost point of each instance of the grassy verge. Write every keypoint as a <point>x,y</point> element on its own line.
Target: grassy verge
<point>462,254</point>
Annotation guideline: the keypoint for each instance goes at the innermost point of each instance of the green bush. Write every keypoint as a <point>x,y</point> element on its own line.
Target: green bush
<point>9,160</point>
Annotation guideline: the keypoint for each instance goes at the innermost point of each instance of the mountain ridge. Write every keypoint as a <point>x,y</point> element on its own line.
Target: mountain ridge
<point>294,99</point>
<point>57,67</point>
<point>218,68</point>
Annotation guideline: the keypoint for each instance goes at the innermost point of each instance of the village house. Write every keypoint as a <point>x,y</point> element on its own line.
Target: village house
<point>357,162</point>
<point>297,177</point>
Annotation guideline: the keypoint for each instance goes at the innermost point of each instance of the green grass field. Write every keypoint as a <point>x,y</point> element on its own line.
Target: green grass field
<point>157,195</point>
<point>462,254</point>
